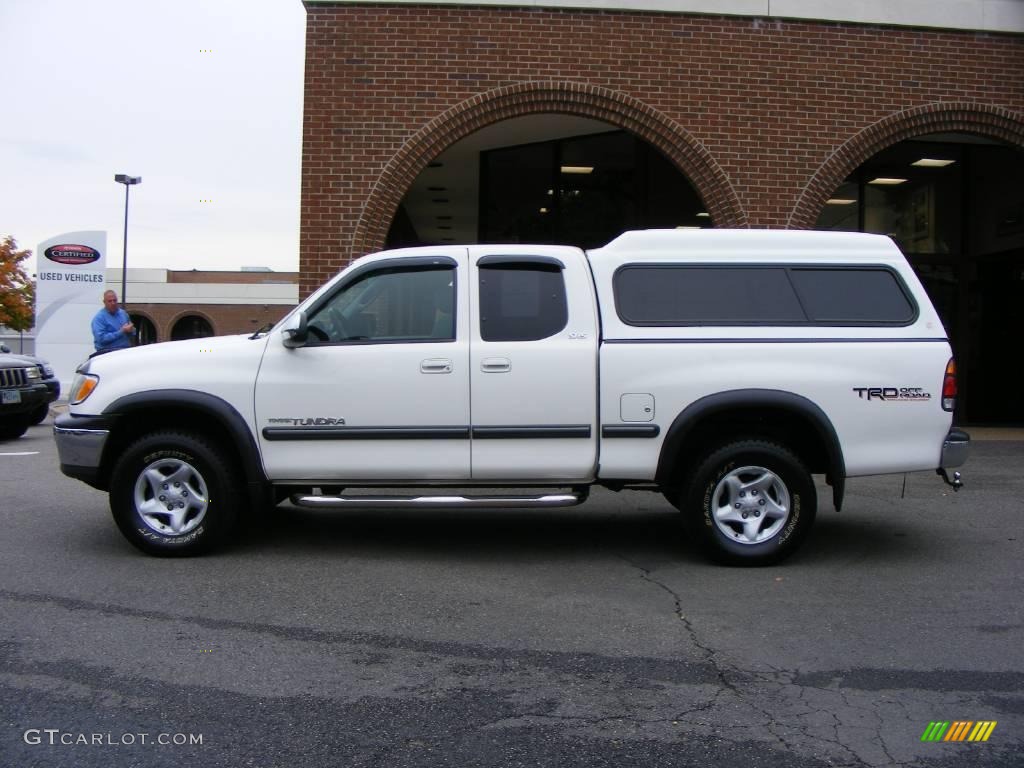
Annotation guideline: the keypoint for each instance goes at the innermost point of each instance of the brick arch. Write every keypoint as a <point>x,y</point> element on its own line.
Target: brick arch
<point>954,117</point>
<point>531,98</point>
<point>190,312</point>
<point>147,316</point>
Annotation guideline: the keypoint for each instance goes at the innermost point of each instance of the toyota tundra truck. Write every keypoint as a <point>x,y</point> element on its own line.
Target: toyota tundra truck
<point>723,369</point>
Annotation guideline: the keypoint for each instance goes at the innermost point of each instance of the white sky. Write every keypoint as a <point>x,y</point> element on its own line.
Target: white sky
<point>91,88</point>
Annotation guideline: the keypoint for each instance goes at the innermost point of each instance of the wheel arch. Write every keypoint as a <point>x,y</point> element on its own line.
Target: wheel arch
<point>785,416</point>
<point>142,413</point>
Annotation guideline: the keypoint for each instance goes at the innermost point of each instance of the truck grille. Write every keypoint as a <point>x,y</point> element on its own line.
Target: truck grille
<point>12,377</point>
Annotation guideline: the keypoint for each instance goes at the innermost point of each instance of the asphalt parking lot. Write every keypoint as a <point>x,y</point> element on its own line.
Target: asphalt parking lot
<point>593,636</point>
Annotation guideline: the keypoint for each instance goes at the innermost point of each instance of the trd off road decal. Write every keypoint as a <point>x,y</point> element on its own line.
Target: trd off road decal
<point>893,394</point>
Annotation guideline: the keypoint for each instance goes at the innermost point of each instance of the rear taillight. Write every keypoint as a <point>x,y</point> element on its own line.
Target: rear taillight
<point>949,386</point>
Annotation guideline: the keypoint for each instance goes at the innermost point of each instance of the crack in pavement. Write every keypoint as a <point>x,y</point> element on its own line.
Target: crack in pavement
<point>859,730</point>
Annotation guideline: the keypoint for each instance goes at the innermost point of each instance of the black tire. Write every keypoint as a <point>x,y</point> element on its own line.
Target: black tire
<point>751,502</point>
<point>13,428</point>
<point>204,503</point>
<point>39,415</point>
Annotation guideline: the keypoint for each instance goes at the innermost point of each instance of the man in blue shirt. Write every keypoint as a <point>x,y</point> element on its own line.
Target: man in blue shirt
<point>111,327</point>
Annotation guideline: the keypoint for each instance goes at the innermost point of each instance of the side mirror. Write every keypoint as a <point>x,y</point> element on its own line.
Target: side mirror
<point>296,333</point>
<point>5,349</point>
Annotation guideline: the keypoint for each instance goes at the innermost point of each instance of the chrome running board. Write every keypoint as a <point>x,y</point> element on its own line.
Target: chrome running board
<point>438,502</point>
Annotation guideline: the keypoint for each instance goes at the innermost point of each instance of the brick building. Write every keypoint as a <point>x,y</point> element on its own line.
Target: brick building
<point>455,122</point>
<point>167,304</point>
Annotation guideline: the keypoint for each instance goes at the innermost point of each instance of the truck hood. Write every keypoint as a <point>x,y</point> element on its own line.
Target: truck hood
<point>223,366</point>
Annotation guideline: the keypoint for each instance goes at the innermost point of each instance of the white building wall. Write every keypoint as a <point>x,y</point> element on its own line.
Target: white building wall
<point>980,15</point>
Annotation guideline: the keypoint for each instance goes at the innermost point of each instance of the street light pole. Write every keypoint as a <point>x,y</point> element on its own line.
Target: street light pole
<point>124,178</point>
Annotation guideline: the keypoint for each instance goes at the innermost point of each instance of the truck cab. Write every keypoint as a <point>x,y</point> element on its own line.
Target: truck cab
<point>469,364</point>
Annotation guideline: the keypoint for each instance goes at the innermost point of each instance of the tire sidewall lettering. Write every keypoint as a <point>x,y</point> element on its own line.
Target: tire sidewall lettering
<point>794,518</point>
<point>170,541</point>
<point>168,454</point>
<point>709,491</point>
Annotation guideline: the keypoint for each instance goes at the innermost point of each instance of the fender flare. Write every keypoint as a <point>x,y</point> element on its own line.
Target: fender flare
<point>242,438</point>
<point>710,405</point>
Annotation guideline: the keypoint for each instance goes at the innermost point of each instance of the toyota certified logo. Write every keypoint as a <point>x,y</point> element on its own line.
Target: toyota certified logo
<point>71,254</point>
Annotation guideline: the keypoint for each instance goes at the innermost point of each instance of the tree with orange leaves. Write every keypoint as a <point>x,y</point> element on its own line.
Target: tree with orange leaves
<point>17,291</point>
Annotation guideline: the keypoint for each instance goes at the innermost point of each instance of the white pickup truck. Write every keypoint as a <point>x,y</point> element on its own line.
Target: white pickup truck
<point>720,368</point>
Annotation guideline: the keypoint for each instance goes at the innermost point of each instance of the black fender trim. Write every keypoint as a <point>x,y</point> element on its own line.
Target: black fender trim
<point>216,408</point>
<point>686,421</point>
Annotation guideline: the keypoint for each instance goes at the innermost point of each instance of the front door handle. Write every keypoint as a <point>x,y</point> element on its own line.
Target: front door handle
<point>436,365</point>
<point>495,365</point>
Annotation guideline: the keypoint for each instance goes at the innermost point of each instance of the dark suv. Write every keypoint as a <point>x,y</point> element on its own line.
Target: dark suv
<point>47,376</point>
<point>22,395</point>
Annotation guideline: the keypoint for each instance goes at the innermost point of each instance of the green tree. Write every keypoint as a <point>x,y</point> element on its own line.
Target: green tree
<point>17,291</point>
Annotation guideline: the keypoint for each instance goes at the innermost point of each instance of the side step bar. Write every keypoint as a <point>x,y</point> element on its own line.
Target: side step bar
<point>438,502</point>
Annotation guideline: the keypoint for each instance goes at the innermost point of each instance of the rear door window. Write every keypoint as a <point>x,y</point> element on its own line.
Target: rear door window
<point>521,298</point>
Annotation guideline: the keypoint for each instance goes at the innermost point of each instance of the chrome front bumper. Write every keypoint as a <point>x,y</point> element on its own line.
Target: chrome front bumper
<point>80,448</point>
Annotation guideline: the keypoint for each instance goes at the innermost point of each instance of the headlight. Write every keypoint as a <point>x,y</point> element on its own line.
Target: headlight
<point>82,387</point>
<point>32,374</point>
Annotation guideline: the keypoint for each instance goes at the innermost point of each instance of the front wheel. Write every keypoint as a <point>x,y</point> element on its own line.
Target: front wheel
<point>39,414</point>
<point>171,495</point>
<point>754,500</point>
<point>13,428</point>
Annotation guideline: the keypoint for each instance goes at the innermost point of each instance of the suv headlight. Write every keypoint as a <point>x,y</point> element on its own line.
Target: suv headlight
<point>32,374</point>
<point>82,387</point>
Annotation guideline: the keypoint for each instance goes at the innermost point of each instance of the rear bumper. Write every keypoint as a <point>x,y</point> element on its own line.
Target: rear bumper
<point>955,448</point>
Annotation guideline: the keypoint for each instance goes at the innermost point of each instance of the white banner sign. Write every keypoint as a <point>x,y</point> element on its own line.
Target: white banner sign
<point>70,280</point>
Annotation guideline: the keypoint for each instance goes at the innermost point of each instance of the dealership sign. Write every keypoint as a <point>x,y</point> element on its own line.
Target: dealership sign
<point>72,254</point>
<point>70,279</point>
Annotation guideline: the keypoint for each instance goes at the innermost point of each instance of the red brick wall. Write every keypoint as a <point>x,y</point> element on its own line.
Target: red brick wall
<point>765,117</point>
<point>225,319</point>
<point>206,276</point>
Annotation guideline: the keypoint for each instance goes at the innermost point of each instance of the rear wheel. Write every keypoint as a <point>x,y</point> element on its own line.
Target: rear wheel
<point>753,502</point>
<point>172,495</point>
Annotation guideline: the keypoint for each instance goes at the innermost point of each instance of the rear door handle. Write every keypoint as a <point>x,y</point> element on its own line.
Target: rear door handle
<point>495,365</point>
<point>436,365</point>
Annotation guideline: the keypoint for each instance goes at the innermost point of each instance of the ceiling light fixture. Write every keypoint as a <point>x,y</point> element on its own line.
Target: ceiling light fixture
<point>840,201</point>
<point>931,162</point>
<point>703,215</point>
<point>886,181</point>
<point>578,169</point>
